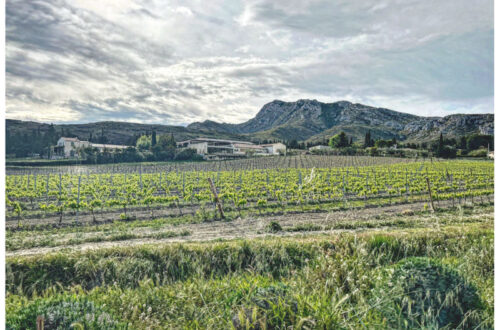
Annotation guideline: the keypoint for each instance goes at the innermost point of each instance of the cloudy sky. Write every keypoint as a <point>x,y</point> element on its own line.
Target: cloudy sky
<point>175,62</point>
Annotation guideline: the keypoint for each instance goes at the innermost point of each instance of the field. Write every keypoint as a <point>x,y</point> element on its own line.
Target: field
<point>304,241</point>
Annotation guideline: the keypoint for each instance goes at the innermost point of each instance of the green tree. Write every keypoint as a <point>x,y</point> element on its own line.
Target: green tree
<point>440,146</point>
<point>368,140</point>
<point>463,143</point>
<point>165,148</point>
<point>153,139</point>
<point>339,141</point>
<point>475,141</point>
<point>143,143</point>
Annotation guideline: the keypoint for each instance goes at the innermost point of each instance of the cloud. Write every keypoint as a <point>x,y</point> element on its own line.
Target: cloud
<point>177,62</point>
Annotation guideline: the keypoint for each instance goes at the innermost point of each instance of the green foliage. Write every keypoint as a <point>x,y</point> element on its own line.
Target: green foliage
<point>478,153</point>
<point>339,141</point>
<point>143,143</point>
<point>429,295</point>
<point>64,313</point>
<point>273,227</point>
<point>345,281</point>
<point>475,141</point>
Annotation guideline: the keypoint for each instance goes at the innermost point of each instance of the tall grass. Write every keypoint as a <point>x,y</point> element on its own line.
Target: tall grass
<point>345,282</point>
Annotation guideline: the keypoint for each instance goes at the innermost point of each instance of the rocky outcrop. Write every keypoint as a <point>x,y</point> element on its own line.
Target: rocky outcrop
<point>453,125</point>
<point>278,119</point>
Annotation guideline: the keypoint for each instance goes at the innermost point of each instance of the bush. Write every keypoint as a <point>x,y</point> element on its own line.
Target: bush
<point>426,294</point>
<point>272,307</point>
<point>478,153</point>
<point>63,313</point>
<point>273,227</point>
<point>407,212</point>
<point>188,154</point>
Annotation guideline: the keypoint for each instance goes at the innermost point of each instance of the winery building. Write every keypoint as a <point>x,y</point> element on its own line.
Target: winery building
<point>227,149</point>
<point>68,147</point>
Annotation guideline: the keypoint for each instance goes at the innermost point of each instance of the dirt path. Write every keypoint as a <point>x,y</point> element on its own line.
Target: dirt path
<point>249,227</point>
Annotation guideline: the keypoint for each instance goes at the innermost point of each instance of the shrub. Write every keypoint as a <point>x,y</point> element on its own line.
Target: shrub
<point>426,294</point>
<point>63,313</point>
<point>478,153</point>
<point>272,307</point>
<point>407,212</point>
<point>273,227</point>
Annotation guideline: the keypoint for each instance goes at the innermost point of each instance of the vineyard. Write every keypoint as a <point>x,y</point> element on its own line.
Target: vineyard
<point>308,242</point>
<point>66,198</point>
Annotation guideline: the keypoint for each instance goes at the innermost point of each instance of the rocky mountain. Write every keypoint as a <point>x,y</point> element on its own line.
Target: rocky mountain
<point>453,125</point>
<point>310,120</point>
<point>303,120</point>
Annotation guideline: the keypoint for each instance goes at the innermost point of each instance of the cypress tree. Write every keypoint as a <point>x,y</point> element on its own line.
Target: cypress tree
<point>153,139</point>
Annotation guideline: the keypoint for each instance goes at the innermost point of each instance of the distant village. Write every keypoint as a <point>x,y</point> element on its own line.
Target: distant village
<point>209,149</point>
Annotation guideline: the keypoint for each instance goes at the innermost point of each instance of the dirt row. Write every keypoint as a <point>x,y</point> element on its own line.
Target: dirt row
<point>249,227</point>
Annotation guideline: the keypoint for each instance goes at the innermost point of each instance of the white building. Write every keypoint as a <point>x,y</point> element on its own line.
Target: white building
<point>275,148</point>
<point>102,147</point>
<point>320,147</point>
<point>249,149</point>
<point>70,147</point>
<point>224,149</point>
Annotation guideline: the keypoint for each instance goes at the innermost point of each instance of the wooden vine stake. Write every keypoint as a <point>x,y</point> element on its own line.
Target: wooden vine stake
<point>78,197</point>
<point>217,200</point>
<point>40,322</point>
<point>430,194</point>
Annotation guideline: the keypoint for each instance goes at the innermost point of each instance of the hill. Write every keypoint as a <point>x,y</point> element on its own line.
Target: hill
<point>115,132</point>
<point>310,120</point>
<point>303,120</point>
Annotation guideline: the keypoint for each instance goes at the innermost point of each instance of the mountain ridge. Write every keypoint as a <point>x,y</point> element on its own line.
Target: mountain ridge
<point>312,120</point>
<point>302,120</point>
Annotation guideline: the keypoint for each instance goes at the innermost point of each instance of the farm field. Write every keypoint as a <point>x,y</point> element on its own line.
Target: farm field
<point>327,242</point>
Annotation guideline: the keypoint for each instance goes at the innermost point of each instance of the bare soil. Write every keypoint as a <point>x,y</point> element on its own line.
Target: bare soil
<point>250,227</point>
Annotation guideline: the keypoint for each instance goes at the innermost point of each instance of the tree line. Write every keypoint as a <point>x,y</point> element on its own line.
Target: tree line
<point>469,145</point>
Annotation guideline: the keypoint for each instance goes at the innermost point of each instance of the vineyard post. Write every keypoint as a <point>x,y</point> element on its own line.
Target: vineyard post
<point>47,185</point>
<point>28,184</point>
<point>343,189</point>
<point>406,184</point>
<point>140,175</point>
<point>183,184</point>
<point>35,182</point>
<point>430,193</point>
<point>40,322</point>
<point>366,187</point>
<point>78,197</point>
<point>217,200</point>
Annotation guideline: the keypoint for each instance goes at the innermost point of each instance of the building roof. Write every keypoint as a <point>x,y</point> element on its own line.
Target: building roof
<point>69,139</point>
<point>320,147</point>
<point>215,140</point>
<point>108,146</point>
<point>247,146</point>
<point>271,144</point>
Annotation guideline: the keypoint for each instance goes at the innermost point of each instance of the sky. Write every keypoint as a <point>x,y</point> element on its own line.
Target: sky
<point>177,62</point>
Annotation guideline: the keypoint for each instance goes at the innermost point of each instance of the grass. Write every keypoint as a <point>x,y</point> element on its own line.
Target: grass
<point>361,278</point>
<point>315,281</point>
<point>48,240</point>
